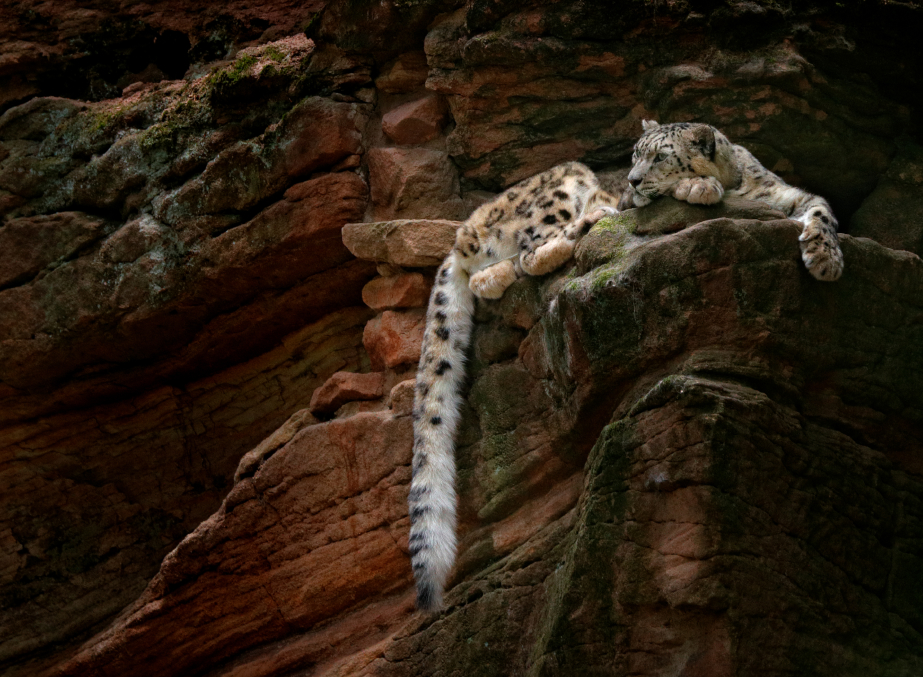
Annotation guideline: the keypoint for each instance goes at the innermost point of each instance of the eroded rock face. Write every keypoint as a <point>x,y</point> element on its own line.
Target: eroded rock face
<point>789,90</point>
<point>95,50</point>
<point>327,471</point>
<point>893,213</point>
<point>261,219</point>
<point>666,552</point>
<point>94,498</point>
<point>679,454</point>
<point>670,458</point>
<point>173,286</point>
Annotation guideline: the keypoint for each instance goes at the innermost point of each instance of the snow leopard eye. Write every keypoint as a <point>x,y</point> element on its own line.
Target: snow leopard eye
<point>660,157</point>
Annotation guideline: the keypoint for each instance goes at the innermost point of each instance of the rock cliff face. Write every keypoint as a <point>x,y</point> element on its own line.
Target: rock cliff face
<point>680,455</point>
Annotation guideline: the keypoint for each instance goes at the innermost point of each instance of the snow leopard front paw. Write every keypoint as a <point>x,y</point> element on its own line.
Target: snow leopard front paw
<point>600,213</point>
<point>549,256</point>
<point>821,253</point>
<point>491,282</point>
<point>699,190</point>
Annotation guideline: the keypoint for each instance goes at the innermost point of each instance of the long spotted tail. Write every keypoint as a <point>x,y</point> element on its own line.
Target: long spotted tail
<point>436,412</point>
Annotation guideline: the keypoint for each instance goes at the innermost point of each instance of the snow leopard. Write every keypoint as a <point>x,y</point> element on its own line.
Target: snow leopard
<point>530,229</point>
<point>697,163</point>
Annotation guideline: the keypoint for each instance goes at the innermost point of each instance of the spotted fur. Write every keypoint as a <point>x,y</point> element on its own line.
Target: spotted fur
<point>697,163</point>
<point>531,229</point>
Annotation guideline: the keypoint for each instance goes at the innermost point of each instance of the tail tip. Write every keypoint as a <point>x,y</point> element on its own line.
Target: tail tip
<point>429,596</point>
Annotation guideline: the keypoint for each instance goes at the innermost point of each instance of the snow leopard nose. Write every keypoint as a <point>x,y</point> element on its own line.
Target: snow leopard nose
<point>634,182</point>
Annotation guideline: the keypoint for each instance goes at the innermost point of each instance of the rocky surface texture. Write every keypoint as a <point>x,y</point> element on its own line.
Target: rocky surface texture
<point>679,455</point>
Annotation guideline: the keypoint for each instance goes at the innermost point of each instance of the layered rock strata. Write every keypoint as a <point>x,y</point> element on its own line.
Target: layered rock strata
<point>173,286</point>
<point>675,454</point>
<point>646,479</point>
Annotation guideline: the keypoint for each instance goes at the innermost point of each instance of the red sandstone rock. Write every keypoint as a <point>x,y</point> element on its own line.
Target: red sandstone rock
<point>123,470</point>
<point>290,239</point>
<point>243,315</point>
<point>652,513</point>
<point>416,121</point>
<point>414,243</point>
<point>30,244</point>
<point>152,303</point>
<point>203,287</point>
<point>401,398</point>
<point>316,133</point>
<point>345,386</point>
<point>394,338</point>
<point>327,514</point>
<point>404,74</point>
<point>406,290</point>
<point>253,459</point>
<point>414,183</point>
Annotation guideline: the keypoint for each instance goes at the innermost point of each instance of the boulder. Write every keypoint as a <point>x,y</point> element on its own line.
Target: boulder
<point>345,387</point>
<point>893,213</point>
<point>395,338</point>
<point>416,121</point>
<point>404,290</point>
<point>414,183</point>
<point>403,74</point>
<point>415,243</point>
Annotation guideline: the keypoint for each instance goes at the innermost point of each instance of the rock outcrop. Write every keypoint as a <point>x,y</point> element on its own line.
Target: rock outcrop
<point>672,456</point>
<point>680,454</point>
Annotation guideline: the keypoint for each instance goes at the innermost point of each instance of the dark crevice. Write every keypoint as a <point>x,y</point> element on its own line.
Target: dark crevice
<point>82,250</point>
<point>98,65</point>
<point>779,392</point>
<point>24,279</point>
<point>90,245</point>
<point>171,54</point>
<point>244,216</point>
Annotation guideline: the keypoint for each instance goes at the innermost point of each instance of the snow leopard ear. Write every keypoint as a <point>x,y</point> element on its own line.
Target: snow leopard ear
<point>703,138</point>
<point>648,125</point>
<point>717,159</point>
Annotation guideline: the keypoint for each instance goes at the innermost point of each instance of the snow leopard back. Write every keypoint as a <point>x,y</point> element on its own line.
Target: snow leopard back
<point>531,228</point>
